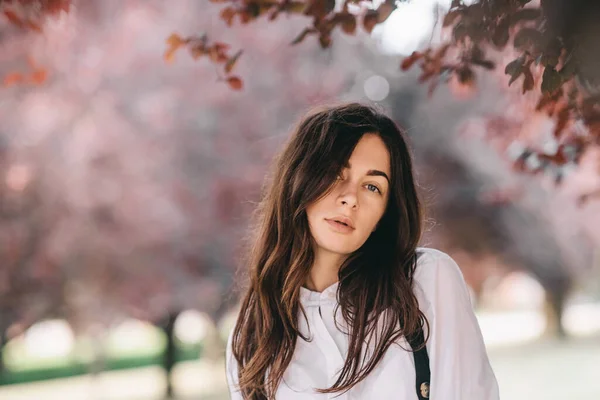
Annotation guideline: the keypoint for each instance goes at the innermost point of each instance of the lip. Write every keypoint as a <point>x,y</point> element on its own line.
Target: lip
<point>342,218</point>
<point>339,227</point>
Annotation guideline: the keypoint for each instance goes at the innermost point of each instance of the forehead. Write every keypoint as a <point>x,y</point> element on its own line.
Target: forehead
<point>370,153</point>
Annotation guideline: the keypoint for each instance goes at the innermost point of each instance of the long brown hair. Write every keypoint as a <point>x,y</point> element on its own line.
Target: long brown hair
<point>375,282</point>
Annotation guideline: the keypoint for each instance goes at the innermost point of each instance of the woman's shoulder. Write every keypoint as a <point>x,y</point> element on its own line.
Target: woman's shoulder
<point>432,261</point>
<point>437,275</point>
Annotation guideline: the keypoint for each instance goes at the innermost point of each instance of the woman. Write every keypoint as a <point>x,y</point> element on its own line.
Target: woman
<point>339,294</point>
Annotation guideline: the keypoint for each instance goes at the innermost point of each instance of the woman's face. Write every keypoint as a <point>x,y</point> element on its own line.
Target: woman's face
<point>360,195</point>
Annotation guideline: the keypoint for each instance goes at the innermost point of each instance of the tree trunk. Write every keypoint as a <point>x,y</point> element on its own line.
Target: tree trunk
<point>555,304</point>
<point>3,341</point>
<point>169,356</point>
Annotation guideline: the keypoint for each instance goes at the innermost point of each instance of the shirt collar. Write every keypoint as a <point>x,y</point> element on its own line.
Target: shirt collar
<point>312,298</point>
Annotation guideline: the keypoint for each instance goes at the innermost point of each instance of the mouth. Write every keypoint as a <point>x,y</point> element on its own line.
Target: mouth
<point>339,226</point>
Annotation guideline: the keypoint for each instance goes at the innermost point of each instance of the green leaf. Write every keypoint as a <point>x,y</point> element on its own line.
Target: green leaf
<point>231,62</point>
<point>501,34</point>
<point>514,77</point>
<point>459,32</point>
<point>549,60</point>
<point>294,7</point>
<point>525,14</point>
<point>487,64</point>
<point>551,80</point>
<point>465,75</point>
<point>514,66</point>
<point>528,38</point>
<point>569,69</point>
<point>478,58</point>
<point>451,17</point>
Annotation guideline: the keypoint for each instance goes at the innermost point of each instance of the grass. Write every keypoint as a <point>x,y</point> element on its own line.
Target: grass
<point>145,350</point>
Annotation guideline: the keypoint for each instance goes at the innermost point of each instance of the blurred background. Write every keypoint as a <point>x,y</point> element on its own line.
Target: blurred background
<point>127,179</point>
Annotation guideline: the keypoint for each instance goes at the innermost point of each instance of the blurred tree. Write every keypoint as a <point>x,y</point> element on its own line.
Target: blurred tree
<point>32,284</point>
<point>491,221</point>
<point>553,49</point>
<point>146,171</point>
<point>154,168</point>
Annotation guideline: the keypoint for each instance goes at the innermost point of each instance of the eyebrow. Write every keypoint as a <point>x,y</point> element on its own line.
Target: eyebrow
<point>372,172</point>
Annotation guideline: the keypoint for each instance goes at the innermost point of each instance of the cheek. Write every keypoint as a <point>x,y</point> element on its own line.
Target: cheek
<point>318,207</point>
<point>376,210</point>
<point>312,211</point>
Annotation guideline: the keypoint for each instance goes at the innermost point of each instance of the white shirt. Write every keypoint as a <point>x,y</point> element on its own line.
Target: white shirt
<point>460,369</point>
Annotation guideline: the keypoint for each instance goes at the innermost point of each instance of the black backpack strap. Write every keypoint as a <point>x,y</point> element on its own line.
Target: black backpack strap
<point>421,357</point>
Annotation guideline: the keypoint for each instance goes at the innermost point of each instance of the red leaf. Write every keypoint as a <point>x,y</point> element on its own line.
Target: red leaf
<point>13,78</point>
<point>274,15</point>
<point>528,81</point>
<point>425,75</point>
<point>214,54</point>
<point>293,7</point>
<point>38,76</point>
<point>245,17</point>
<point>232,61</point>
<point>197,46</point>
<point>348,22</point>
<point>303,34</point>
<point>56,6</point>
<point>384,11</point>
<point>370,20</point>
<point>174,42</point>
<point>325,40</point>
<point>432,86</point>
<point>410,60</point>
<point>227,15</point>
<point>319,8</point>
<point>14,18</point>
<point>441,52</point>
<point>33,26</point>
<point>235,83</point>
<point>562,119</point>
<point>545,99</point>
<point>220,46</point>
<point>197,51</point>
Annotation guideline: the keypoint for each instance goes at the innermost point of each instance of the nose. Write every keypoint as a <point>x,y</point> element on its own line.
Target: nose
<point>348,197</point>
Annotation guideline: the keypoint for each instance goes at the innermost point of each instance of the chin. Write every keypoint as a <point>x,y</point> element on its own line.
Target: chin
<point>338,248</point>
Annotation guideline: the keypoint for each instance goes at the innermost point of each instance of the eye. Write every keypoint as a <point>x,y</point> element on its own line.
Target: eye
<point>370,188</point>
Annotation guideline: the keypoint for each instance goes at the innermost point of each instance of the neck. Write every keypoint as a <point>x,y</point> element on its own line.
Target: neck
<point>324,271</point>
